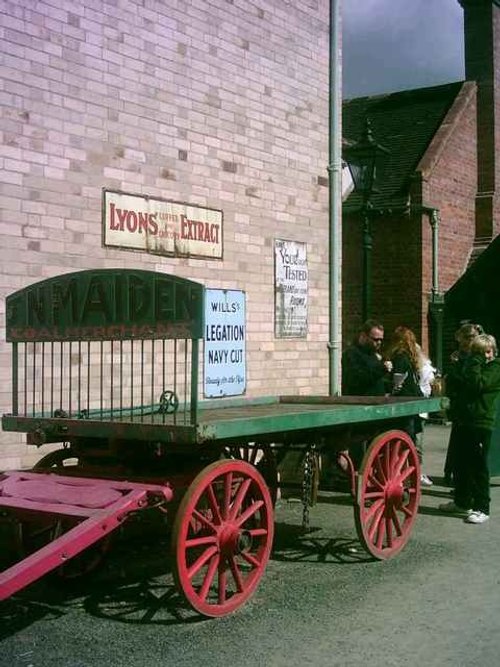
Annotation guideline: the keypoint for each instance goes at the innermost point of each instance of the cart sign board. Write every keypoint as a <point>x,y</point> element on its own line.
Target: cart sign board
<point>291,280</point>
<point>225,349</point>
<point>160,226</point>
<point>106,304</point>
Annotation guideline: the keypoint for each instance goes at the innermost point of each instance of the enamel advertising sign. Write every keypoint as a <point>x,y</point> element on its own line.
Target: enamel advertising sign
<point>291,289</point>
<point>225,343</point>
<point>160,226</point>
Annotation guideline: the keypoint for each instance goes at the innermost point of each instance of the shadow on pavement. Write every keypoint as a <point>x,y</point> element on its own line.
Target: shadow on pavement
<point>134,583</point>
<point>292,544</point>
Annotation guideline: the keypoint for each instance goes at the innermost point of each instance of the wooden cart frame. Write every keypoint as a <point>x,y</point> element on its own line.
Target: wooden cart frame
<point>106,362</point>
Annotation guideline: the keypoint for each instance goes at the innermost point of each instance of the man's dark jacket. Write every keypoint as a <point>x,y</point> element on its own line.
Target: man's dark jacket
<point>362,372</point>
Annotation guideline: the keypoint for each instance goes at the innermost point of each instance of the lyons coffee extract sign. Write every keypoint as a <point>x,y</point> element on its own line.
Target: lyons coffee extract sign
<point>224,343</point>
<point>160,226</point>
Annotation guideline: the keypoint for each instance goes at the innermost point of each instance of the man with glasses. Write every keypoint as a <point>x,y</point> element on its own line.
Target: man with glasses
<point>364,373</point>
<point>363,369</point>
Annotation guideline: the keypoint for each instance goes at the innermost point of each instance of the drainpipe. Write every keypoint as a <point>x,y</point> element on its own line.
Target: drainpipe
<point>434,220</point>
<point>335,199</point>
<point>436,305</point>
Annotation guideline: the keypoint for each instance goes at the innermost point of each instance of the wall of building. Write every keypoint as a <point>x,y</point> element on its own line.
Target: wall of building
<point>395,273</point>
<point>450,185</point>
<point>222,104</point>
<point>482,64</point>
<point>445,179</point>
<point>398,271</point>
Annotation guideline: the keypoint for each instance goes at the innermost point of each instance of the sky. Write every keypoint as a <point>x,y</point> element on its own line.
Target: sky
<point>393,45</point>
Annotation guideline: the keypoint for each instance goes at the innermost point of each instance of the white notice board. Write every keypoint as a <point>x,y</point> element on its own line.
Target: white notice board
<point>291,289</point>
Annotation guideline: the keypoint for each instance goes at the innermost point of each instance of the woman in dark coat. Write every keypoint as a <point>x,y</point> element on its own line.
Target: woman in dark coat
<point>407,359</point>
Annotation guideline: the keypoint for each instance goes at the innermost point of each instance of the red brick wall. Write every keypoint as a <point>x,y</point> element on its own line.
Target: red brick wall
<point>402,245</point>
<point>396,270</point>
<point>451,187</point>
<point>482,64</point>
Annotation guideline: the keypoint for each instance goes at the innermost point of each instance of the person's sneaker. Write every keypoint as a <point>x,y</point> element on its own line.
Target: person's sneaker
<point>426,481</point>
<point>453,508</point>
<point>477,517</point>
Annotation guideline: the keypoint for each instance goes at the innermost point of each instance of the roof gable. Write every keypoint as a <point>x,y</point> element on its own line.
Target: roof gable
<point>405,122</point>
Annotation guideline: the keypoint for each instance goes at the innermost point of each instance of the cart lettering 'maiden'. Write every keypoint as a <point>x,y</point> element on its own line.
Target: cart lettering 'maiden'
<point>106,304</point>
<point>107,363</point>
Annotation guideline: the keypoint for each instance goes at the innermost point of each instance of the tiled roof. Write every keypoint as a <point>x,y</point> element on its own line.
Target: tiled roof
<point>405,123</point>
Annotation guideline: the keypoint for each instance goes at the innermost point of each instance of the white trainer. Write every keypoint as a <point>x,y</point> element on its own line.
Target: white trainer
<point>425,481</point>
<point>477,517</point>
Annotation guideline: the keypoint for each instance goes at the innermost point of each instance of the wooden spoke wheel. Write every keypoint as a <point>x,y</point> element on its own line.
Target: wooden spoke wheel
<point>263,458</point>
<point>58,459</point>
<point>86,561</point>
<point>388,494</point>
<point>35,534</point>
<point>222,537</point>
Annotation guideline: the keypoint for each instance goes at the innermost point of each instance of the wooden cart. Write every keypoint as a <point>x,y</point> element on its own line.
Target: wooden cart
<point>106,363</point>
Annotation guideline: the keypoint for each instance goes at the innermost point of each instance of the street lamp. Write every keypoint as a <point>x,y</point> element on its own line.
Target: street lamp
<point>362,158</point>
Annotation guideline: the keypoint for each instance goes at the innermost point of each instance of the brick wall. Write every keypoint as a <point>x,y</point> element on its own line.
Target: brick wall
<point>446,180</point>
<point>482,64</point>
<point>220,103</point>
<point>449,184</point>
<point>395,277</point>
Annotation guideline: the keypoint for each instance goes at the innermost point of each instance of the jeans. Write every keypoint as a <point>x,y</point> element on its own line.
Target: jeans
<point>472,475</point>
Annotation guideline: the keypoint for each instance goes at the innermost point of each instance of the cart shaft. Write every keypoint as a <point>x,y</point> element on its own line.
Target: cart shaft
<point>98,522</point>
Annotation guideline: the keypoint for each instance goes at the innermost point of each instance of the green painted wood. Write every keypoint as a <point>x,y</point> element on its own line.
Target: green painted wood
<point>106,304</point>
<point>305,414</point>
<point>238,420</point>
<point>41,431</point>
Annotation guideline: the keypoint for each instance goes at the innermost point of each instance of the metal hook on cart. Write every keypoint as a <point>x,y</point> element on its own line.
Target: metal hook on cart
<point>169,402</point>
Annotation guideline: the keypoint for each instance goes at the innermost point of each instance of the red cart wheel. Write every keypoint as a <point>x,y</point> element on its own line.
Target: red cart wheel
<point>35,534</point>
<point>222,537</point>
<point>388,494</point>
<point>261,457</point>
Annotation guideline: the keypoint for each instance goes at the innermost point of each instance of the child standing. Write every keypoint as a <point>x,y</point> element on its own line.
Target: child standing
<point>480,389</point>
<point>464,337</point>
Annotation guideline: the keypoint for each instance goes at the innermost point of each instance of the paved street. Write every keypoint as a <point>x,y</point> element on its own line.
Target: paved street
<point>322,600</point>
